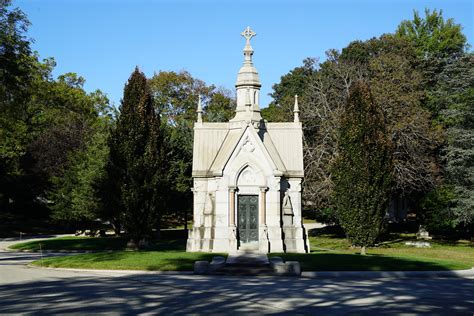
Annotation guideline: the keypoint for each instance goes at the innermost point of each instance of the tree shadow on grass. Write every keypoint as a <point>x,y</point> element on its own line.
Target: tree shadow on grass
<point>98,244</point>
<point>327,231</point>
<point>323,261</point>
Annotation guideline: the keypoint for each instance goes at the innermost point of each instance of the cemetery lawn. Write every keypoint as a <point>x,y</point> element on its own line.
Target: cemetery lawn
<point>162,255</point>
<point>331,252</point>
<point>129,260</point>
<point>74,243</point>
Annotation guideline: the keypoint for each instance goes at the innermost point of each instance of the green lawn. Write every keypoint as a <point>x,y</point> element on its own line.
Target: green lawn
<point>127,260</point>
<point>96,244</point>
<point>74,243</point>
<point>163,255</point>
<point>332,252</point>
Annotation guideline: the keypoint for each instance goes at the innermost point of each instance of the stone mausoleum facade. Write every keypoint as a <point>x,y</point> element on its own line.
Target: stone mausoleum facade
<point>247,177</point>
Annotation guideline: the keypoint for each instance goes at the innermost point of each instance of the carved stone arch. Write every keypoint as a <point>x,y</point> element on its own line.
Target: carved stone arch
<point>249,175</point>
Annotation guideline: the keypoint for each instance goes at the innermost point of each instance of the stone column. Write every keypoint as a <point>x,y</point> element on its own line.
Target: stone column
<point>263,205</point>
<point>263,243</point>
<point>232,237</point>
<point>231,206</point>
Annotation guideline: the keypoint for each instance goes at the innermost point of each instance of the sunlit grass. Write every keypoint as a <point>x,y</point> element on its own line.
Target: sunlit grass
<point>126,260</point>
<point>330,251</point>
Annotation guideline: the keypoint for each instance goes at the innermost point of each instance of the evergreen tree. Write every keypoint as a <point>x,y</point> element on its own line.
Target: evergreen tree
<point>133,169</point>
<point>362,171</point>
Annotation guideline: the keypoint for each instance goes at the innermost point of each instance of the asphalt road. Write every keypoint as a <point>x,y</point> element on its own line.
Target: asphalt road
<point>46,291</point>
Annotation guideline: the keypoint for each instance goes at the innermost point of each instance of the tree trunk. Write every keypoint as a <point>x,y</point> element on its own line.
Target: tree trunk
<point>362,251</point>
<point>158,230</point>
<point>186,219</point>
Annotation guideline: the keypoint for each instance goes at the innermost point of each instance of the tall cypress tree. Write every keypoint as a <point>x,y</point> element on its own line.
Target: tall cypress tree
<point>134,183</point>
<point>362,171</point>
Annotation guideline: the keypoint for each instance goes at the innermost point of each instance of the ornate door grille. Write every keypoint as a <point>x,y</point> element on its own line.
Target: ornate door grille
<point>248,218</point>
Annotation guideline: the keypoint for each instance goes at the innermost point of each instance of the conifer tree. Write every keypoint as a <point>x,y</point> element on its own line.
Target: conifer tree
<point>362,171</point>
<point>133,169</point>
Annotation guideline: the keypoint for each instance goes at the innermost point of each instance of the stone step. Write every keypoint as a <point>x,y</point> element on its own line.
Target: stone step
<point>247,265</point>
<point>245,269</point>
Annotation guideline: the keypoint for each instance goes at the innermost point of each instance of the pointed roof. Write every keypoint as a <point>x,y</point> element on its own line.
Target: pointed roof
<point>231,142</point>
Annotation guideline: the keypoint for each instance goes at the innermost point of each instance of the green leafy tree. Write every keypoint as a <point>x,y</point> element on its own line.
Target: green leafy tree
<point>136,159</point>
<point>293,83</point>
<point>176,97</point>
<point>433,36</point>
<point>437,42</point>
<point>74,197</point>
<point>362,170</point>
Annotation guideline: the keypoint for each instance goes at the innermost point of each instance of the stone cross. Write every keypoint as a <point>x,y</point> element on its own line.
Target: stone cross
<point>248,34</point>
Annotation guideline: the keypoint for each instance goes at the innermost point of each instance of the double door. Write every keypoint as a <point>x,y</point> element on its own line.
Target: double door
<point>247,213</point>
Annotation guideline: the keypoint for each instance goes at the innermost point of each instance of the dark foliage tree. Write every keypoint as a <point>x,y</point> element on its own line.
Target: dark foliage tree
<point>451,204</point>
<point>363,168</point>
<point>135,162</point>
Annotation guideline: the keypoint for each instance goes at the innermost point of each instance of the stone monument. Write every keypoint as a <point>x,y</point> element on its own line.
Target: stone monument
<point>247,176</point>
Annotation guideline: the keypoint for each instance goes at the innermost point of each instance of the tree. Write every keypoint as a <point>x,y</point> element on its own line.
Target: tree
<point>74,197</point>
<point>388,65</point>
<point>433,36</point>
<point>293,83</point>
<point>397,84</point>
<point>362,170</point>
<point>136,161</point>
<point>176,97</point>
<point>452,203</point>
<point>437,42</point>
<point>326,96</point>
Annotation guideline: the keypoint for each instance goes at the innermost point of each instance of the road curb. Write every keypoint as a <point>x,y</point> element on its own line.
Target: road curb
<point>308,274</point>
<point>117,271</point>
<point>387,274</point>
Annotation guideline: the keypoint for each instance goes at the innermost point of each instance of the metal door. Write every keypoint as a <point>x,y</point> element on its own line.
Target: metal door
<point>248,218</point>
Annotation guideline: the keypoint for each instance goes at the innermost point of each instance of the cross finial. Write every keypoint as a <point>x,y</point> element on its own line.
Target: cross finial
<point>248,34</point>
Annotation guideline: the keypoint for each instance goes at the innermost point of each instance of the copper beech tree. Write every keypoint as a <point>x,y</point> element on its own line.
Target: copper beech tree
<point>362,171</point>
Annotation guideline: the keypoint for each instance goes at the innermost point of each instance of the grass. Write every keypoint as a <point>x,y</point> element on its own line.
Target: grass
<point>127,260</point>
<point>163,255</point>
<point>330,251</point>
<point>74,243</point>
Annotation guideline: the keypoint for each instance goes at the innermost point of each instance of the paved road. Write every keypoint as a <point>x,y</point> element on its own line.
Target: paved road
<point>46,291</point>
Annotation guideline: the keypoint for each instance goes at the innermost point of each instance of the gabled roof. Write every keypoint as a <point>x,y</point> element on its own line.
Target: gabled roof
<point>214,144</point>
<point>230,144</point>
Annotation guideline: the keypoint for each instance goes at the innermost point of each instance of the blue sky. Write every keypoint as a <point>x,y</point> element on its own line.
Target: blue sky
<point>103,40</point>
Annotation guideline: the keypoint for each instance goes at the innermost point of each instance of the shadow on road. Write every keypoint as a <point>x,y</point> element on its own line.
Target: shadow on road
<point>145,293</point>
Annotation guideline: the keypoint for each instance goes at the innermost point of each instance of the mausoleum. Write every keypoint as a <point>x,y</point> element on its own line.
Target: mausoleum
<point>247,176</point>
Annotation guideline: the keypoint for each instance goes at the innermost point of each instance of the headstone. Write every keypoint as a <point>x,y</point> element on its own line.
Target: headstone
<point>418,244</point>
<point>423,233</point>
